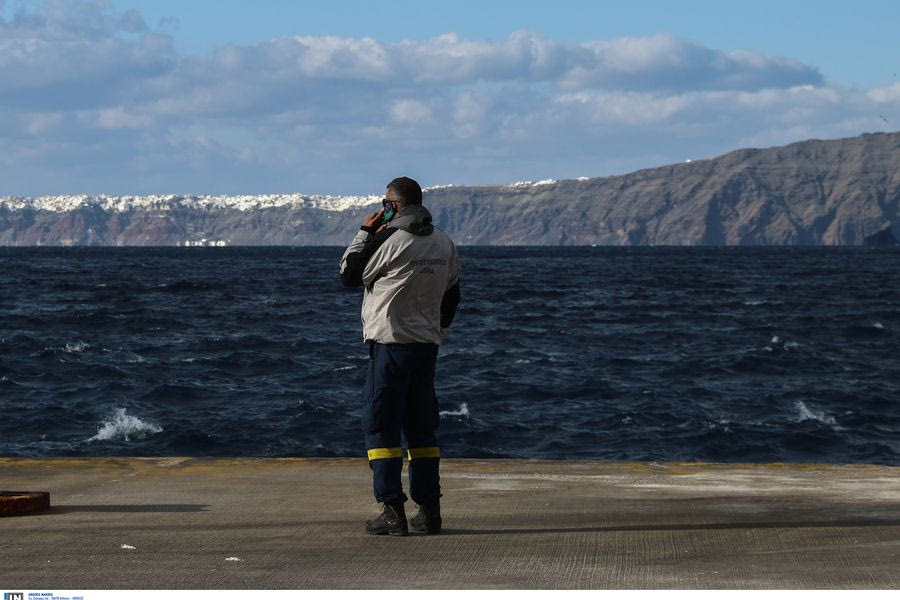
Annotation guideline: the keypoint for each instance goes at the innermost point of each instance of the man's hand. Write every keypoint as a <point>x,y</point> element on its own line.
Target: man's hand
<point>371,222</point>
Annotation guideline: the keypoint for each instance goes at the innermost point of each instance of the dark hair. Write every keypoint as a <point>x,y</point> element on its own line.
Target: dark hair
<point>407,190</point>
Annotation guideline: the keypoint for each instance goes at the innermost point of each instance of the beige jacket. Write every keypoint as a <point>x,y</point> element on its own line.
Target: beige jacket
<point>410,274</point>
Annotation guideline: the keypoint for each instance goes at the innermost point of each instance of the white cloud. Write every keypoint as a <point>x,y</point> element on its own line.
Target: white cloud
<point>333,57</point>
<point>410,112</point>
<point>107,104</point>
<point>41,123</point>
<point>624,108</point>
<point>119,118</point>
<point>886,94</point>
<point>663,62</point>
<point>657,62</point>
<point>471,114</point>
<point>73,54</point>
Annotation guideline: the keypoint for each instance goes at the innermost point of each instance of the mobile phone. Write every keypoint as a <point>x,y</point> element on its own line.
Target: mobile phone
<point>388,214</point>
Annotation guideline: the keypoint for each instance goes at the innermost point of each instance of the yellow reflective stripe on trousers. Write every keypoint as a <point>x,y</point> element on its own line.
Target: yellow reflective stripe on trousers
<point>432,452</point>
<point>376,453</point>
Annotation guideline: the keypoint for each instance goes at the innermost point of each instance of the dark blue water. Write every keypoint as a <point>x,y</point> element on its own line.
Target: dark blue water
<point>725,354</point>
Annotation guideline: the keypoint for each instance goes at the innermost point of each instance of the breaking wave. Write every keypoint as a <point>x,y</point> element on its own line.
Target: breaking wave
<point>810,414</point>
<point>122,426</point>
<point>462,411</point>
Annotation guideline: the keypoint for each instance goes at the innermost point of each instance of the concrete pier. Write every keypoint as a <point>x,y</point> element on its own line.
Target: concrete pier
<point>195,523</point>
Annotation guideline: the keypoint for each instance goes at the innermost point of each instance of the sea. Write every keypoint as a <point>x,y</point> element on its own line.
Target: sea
<point>730,354</point>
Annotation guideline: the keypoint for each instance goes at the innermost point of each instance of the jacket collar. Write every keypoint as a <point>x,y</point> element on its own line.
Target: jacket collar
<point>415,219</point>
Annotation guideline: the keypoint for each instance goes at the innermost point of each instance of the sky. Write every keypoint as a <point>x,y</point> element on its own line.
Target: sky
<point>277,96</point>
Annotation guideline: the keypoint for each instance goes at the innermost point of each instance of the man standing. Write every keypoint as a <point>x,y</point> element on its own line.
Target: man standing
<point>410,273</point>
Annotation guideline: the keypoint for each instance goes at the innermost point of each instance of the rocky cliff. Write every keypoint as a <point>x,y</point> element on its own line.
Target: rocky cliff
<point>837,192</point>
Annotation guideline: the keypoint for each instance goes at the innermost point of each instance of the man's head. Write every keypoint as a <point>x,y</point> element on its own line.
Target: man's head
<point>404,191</point>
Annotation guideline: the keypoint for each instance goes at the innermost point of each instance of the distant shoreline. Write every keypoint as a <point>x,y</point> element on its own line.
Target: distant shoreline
<point>815,193</point>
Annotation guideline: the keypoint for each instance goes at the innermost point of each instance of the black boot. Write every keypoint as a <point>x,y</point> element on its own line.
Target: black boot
<point>428,519</point>
<point>392,521</point>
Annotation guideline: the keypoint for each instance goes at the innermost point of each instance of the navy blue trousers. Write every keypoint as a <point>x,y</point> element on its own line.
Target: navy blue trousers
<point>399,405</point>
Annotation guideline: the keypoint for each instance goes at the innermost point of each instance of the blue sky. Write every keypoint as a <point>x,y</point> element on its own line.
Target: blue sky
<point>140,96</point>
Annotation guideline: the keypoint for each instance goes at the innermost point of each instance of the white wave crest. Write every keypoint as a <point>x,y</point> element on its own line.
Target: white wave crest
<point>777,342</point>
<point>807,414</point>
<point>122,426</point>
<point>135,358</point>
<point>76,347</point>
<point>462,412</point>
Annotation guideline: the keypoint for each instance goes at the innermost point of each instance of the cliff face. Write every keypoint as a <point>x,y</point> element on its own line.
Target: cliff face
<point>815,192</point>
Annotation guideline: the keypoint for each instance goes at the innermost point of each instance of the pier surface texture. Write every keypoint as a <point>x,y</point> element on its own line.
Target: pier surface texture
<point>199,523</point>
